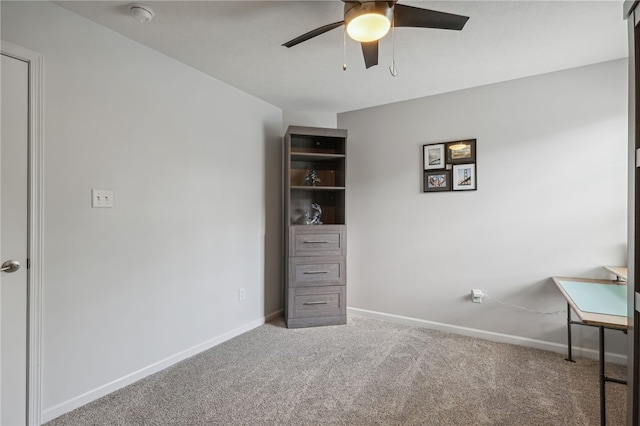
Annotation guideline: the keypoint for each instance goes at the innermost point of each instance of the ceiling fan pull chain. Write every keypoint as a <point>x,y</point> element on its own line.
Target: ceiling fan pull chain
<point>392,67</point>
<point>344,49</point>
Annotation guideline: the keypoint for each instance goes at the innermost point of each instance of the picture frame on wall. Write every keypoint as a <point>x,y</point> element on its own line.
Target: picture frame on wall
<point>464,177</point>
<point>435,181</point>
<point>434,156</point>
<point>449,166</point>
<point>461,151</point>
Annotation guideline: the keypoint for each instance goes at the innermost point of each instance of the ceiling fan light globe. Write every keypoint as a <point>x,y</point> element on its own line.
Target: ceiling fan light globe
<point>368,27</point>
<point>368,21</point>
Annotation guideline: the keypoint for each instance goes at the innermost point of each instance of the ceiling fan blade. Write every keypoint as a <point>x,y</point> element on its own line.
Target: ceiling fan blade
<point>409,16</point>
<point>313,33</point>
<point>370,52</point>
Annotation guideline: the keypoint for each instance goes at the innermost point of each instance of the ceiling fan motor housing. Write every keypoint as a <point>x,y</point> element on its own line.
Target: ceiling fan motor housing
<point>354,9</point>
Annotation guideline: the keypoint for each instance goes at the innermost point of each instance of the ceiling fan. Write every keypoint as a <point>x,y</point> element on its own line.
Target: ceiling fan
<point>369,21</point>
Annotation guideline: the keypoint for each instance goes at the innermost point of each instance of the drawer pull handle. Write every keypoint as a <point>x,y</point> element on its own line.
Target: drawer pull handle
<point>315,272</point>
<point>316,242</point>
<point>315,303</point>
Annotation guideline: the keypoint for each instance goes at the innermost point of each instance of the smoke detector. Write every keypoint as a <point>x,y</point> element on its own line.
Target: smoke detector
<point>141,12</point>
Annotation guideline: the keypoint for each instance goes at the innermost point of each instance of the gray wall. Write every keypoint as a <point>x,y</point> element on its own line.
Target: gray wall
<point>551,201</point>
<point>194,166</point>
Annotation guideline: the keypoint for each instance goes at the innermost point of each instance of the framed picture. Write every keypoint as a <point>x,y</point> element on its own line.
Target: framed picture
<point>464,177</point>
<point>437,181</point>
<point>434,156</point>
<point>461,151</point>
<point>449,166</point>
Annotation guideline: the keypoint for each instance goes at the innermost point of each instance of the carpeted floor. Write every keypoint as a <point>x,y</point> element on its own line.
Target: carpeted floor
<point>368,372</point>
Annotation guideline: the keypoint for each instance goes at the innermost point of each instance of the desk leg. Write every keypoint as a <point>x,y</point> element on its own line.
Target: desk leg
<point>603,411</point>
<point>569,355</point>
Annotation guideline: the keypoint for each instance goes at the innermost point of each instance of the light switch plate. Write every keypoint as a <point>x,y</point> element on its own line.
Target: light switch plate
<point>101,198</point>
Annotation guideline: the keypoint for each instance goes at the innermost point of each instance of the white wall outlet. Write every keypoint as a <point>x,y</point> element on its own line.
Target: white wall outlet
<point>476,296</point>
<point>101,198</point>
<point>241,294</point>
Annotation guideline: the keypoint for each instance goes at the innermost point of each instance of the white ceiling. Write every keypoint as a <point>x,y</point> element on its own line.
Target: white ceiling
<point>239,42</point>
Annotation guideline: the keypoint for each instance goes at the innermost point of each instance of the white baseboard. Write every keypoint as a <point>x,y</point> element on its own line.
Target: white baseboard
<point>489,335</point>
<point>87,397</point>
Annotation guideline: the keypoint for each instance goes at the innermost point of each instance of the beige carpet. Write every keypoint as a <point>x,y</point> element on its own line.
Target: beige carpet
<point>368,372</point>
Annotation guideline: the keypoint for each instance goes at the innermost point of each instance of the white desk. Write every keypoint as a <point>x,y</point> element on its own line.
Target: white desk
<point>597,303</point>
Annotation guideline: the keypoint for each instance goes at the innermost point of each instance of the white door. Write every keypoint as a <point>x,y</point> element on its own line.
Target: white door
<point>14,141</point>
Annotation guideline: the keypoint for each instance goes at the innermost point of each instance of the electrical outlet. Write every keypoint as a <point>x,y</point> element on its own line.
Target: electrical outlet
<point>476,296</point>
<point>101,198</point>
<point>241,294</point>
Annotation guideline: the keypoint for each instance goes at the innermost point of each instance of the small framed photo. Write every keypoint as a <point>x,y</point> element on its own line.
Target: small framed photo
<point>461,151</point>
<point>464,177</point>
<point>434,156</point>
<point>437,181</point>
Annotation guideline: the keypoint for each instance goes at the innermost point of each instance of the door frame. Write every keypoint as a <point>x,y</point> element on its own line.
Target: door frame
<point>35,229</point>
<point>630,13</point>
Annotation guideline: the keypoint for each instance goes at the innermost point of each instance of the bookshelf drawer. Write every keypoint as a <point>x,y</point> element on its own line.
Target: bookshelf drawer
<point>317,271</point>
<point>319,301</point>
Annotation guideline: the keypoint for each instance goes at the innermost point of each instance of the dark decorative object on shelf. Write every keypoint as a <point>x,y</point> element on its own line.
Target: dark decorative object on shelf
<point>313,217</point>
<point>449,166</point>
<point>312,178</point>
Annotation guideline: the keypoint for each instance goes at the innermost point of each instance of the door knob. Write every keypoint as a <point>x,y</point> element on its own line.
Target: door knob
<point>10,266</point>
